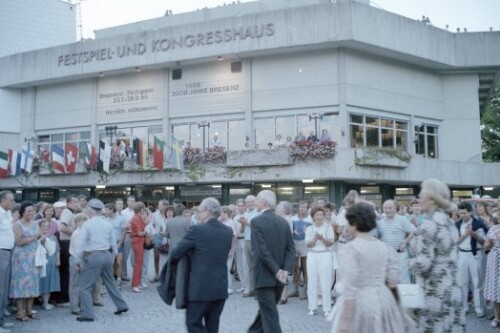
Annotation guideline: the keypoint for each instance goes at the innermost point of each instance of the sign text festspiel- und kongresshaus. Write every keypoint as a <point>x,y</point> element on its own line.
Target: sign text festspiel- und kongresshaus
<point>167,44</point>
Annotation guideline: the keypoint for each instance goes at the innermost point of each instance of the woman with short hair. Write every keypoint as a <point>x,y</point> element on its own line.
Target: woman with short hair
<point>319,237</point>
<point>370,275</point>
<point>137,236</point>
<point>24,275</point>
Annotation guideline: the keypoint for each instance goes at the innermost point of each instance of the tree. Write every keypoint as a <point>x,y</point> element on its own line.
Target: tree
<point>490,128</point>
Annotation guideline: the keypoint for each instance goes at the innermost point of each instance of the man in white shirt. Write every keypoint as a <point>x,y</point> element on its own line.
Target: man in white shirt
<point>6,245</point>
<point>98,247</point>
<point>239,249</point>
<point>396,231</point>
<point>160,227</point>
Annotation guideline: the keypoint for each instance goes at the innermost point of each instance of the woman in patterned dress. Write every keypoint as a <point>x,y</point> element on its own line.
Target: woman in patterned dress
<point>435,263</point>
<point>492,279</point>
<point>25,276</point>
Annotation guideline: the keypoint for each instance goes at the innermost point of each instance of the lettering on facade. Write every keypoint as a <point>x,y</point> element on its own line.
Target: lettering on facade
<point>124,97</point>
<point>199,88</point>
<point>168,44</point>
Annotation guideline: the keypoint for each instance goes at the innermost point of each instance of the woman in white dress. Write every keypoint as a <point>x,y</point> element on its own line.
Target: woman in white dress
<point>369,271</point>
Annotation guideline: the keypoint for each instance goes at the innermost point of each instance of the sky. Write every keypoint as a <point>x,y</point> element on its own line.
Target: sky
<point>475,15</point>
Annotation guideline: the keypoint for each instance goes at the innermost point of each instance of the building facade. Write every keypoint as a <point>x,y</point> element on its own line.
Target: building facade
<point>400,98</point>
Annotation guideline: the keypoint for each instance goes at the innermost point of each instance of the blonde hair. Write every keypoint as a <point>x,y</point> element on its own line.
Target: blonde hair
<point>437,191</point>
<point>80,217</point>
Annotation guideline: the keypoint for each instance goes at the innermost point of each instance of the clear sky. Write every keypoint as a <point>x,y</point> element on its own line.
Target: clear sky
<point>475,15</point>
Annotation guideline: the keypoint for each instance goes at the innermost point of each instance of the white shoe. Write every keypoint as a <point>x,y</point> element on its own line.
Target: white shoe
<point>311,313</point>
<point>144,285</point>
<point>327,313</point>
<point>34,311</point>
<point>136,290</point>
<point>230,291</point>
<point>48,307</point>
<point>240,290</point>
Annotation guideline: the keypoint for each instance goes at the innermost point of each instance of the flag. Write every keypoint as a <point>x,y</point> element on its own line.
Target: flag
<point>58,159</point>
<point>177,155</point>
<point>71,154</point>
<point>104,156</point>
<point>139,152</point>
<point>4,164</point>
<point>27,157</point>
<point>14,163</point>
<point>90,154</point>
<point>158,148</point>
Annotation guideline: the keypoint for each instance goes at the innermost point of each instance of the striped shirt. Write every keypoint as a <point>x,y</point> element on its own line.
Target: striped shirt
<point>394,231</point>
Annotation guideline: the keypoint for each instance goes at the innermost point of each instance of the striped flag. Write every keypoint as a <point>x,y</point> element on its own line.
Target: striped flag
<point>58,159</point>
<point>158,149</point>
<point>177,155</point>
<point>4,164</point>
<point>89,152</point>
<point>14,163</point>
<point>139,152</point>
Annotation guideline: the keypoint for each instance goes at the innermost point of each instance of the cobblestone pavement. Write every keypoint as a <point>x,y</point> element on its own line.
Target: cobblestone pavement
<point>148,313</point>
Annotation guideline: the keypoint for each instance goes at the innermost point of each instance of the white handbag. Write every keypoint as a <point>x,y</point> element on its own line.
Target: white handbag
<point>411,296</point>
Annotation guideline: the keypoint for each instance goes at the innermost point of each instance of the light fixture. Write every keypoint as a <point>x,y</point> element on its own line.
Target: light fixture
<point>101,74</point>
<point>177,64</point>
<point>220,58</point>
<point>307,192</point>
<point>286,188</point>
<point>169,188</point>
<point>100,186</point>
<point>137,69</point>
<point>315,188</point>
<point>489,188</point>
<point>308,181</point>
<point>19,191</point>
<point>129,189</point>
<point>216,186</point>
<point>265,185</point>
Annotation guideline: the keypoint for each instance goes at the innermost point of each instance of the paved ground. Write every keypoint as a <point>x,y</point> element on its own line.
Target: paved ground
<point>148,313</point>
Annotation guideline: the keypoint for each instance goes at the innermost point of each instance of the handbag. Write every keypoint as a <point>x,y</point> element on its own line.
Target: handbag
<point>411,296</point>
<point>164,248</point>
<point>148,242</point>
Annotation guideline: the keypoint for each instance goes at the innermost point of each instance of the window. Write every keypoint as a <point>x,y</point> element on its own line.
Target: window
<point>76,138</point>
<point>426,140</point>
<point>379,132</point>
<point>231,133</point>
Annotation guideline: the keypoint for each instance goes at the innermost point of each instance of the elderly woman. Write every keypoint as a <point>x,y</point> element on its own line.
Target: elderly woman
<point>284,209</point>
<point>319,237</point>
<point>491,283</point>
<point>367,303</point>
<point>434,246</point>
<point>25,276</point>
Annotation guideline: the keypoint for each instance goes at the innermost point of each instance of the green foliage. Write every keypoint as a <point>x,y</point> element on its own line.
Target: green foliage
<point>490,128</point>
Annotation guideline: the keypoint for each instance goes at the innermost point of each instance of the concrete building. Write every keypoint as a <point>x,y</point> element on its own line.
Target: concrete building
<point>402,99</point>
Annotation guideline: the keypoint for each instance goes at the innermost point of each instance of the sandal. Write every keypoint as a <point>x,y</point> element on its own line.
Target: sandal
<point>23,318</point>
<point>32,316</point>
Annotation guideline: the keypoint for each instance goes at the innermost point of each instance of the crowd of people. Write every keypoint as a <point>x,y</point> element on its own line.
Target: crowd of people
<point>340,260</point>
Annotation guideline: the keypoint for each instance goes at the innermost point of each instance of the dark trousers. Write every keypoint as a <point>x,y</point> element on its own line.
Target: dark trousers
<point>268,319</point>
<point>204,316</point>
<point>63,295</point>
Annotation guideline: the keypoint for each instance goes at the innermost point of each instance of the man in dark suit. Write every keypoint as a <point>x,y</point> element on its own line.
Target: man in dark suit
<point>208,245</point>
<point>273,252</point>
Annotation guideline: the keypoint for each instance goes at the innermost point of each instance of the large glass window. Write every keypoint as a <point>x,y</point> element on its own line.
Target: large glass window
<point>230,133</point>
<point>426,140</point>
<point>46,142</point>
<point>264,132</point>
<point>381,132</point>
